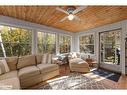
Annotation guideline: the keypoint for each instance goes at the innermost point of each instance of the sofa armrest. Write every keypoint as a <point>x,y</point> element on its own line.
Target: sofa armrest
<point>10,83</point>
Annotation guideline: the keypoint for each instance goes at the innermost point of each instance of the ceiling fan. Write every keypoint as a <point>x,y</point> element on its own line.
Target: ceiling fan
<point>71,11</point>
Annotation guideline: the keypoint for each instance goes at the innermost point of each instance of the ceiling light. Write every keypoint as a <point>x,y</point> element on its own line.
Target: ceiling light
<point>71,17</point>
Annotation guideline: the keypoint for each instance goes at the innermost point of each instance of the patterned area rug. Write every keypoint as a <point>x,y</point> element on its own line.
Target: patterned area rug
<point>74,81</point>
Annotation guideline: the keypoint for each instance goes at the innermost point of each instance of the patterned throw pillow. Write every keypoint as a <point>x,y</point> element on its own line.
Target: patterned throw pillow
<point>3,67</point>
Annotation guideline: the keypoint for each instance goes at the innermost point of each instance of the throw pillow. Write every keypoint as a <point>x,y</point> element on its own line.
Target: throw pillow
<point>44,59</point>
<point>12,62</point>
<point>49,58</point>
<point>74,55</point>
<point>3,67</point>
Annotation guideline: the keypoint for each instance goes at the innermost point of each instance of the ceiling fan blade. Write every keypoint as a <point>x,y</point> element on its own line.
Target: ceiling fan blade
<point>77,18</point>
<point>79,9</point>
<point>59,9</point>
<point>64,19</point>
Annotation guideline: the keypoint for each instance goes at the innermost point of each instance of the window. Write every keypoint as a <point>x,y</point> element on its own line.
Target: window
<point>50,43</point>
<point>15,41</point>
<point>46,43</point>
<point>40,40</point>
<point>87,44</point>
<point>65,43</point>
<point>110,47</point>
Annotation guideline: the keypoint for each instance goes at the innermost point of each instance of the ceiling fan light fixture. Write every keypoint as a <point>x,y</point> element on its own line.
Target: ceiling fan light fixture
<point>71,17</point>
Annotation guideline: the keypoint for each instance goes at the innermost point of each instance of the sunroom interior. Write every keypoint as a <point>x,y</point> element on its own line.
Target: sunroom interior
<point>101,33</point>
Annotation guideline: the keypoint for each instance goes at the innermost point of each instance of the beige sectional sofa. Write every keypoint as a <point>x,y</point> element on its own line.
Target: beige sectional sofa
<point>29,70</point>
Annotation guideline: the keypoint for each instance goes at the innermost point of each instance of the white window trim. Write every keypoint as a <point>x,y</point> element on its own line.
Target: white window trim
<point>12,22</point>
<point>59,42</point>
<point>120,30</point>
<point>86,34</point>
<point>8,25</point>
<point>44,39</point>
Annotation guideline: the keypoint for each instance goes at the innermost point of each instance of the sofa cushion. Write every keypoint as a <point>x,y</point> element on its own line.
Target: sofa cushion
<point>10,74</point>
<point>27,72</point>
<point>39,58</point>
<point>78,62</point>
<point>12,62</point>
<point>4,66</point>
<point>45,68</point>
<point>26,61</point>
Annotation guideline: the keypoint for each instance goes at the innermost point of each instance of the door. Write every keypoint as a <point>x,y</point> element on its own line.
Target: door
<point>110,49</point>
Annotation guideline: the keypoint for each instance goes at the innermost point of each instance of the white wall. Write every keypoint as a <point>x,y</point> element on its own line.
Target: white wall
<point>28,25</point>
<point>95,31</point>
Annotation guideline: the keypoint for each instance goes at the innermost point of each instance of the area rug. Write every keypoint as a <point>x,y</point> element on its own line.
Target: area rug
<point>74,81</point>
<point>107,74</point>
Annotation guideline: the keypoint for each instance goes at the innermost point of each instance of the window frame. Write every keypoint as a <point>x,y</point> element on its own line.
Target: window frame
<point>44,42</point>
<point>87,34</point>
<point>70,42</point>
<point>34,42</point>
<point>14,26</point>
<point>116,30</point>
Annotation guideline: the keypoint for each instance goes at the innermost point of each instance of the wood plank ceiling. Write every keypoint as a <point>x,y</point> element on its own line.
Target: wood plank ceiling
<point>91,17</point>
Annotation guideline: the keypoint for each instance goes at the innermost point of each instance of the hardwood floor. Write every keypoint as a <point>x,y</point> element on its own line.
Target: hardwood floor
<point>121,84</point>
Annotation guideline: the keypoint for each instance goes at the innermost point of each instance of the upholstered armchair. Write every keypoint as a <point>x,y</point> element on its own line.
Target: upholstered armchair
<point>77,64</point>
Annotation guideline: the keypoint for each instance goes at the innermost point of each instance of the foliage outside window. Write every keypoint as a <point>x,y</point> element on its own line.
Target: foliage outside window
<point>65,43</point>
<point>110,47</point>
<point>40,36</point>
<point>87,44</point>
<point>15,41</point>
<point>46,42</point>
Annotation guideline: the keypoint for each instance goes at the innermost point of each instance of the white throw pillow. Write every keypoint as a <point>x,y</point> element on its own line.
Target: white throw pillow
<point>44,59</point>
<point>4,66</point>
<point>74,55</point>
<point>49,59</point>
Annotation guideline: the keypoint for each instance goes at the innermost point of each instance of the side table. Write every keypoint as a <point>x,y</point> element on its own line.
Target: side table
<point>61,64</point>
<point>90,62</point>
<point>63,67</point>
